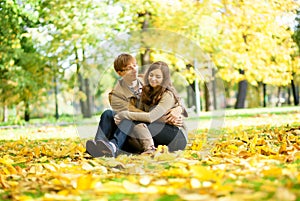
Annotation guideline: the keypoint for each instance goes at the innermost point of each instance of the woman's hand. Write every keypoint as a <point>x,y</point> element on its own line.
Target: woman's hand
<point>177,122</point>
<point>174,116</point>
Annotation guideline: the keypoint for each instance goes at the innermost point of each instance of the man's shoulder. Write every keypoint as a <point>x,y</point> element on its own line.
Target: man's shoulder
<point>119,85</point>
<point>120,88</point>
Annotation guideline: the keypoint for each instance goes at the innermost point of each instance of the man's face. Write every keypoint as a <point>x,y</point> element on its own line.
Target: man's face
<point>130,72</point>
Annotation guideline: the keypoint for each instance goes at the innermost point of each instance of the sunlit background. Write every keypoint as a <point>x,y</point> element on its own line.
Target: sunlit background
<point>56,56</point>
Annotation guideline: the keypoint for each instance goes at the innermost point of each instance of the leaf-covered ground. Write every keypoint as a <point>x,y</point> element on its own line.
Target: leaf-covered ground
<point>242,163</point>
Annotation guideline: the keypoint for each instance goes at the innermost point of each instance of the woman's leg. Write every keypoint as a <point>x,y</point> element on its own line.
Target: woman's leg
<point>142,135</point>
<point>165,134</point>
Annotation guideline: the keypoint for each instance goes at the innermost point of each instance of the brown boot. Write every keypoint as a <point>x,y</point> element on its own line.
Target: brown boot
<point>149,151</point>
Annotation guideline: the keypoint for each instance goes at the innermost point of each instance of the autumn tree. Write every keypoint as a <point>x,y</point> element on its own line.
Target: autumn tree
<point>249,41</point>
<point>23,70</point>
<point>141,16</point>
<point>73,31</point>
<point>256,43</point>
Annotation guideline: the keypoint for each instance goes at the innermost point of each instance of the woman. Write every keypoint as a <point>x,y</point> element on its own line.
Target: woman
<point>157,97</point>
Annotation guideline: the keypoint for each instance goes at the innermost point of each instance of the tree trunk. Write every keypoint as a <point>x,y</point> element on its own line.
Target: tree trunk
<point>264,95</point>
<point>5,113</point>
<point>242,93</point>
<point>80,83</point>
<point>214,88</point>
<point>191,95</point>
<point>295,93</point>
<point>83,85</point>
<point>145,57</point>
<point>27,112</point>
<point>278,103</point>
<point>289,102</point>
<point>206,97</point>
<point>87,113</point>
<point>56,99</point>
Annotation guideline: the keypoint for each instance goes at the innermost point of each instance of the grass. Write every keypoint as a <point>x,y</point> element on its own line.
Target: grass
<point>228,113</point>
<point>248,112</point>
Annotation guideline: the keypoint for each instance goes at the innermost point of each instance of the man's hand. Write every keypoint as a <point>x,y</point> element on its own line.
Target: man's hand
<point>120,116</point>
<point>117,119</point>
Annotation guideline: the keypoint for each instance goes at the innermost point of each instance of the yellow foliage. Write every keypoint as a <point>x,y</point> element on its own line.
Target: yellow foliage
<point>273,171</point>
<point>249,163</point>
<point>203,173</point>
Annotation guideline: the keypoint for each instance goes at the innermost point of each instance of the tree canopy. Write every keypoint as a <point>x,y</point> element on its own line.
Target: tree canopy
<point>46,40</point>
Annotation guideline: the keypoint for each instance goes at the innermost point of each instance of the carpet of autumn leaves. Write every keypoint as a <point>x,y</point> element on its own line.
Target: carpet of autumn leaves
<point>239,163</point>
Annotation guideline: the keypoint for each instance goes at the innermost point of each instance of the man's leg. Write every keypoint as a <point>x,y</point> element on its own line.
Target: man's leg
<point>105,131</point>
<point>121,134</point>
<point>103,147</point>
<point>165,134</point>
<point>106,126</point>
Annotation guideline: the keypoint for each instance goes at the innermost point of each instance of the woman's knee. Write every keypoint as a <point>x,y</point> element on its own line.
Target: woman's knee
<point>179,142</point>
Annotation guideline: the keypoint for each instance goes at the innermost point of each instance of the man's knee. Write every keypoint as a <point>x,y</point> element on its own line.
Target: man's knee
<point>107,115</point>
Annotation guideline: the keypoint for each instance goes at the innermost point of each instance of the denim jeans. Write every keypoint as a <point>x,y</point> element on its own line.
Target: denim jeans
<point>109,131</point>
<point>106,126</point>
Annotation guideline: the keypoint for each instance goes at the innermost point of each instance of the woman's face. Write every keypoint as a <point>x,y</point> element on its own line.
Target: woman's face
<point>155,78</point>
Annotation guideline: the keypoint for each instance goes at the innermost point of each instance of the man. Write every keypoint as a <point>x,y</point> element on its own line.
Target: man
<point>115,137</point>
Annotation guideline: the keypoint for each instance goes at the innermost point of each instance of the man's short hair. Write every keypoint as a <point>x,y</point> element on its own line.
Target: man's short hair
<point>122,61</point>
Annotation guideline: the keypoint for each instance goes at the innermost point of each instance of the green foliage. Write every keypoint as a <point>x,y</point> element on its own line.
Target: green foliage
<point>23,72</point>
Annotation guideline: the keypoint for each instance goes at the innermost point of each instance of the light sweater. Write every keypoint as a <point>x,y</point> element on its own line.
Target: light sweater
<point>153,114</point>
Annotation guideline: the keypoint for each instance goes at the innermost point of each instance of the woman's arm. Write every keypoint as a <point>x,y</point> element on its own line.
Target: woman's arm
<point>167,102</point>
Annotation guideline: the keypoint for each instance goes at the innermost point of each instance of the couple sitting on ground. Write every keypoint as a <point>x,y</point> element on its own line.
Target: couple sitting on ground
<point>144,114</point>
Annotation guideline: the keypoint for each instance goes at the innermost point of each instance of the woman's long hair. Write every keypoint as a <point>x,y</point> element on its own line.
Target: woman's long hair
<point>151,96</point>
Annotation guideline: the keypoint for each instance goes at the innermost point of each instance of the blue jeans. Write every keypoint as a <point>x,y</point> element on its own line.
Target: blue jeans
<point>106,126</point>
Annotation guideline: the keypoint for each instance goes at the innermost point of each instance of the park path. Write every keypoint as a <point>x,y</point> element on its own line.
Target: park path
<point>87,128</point>
<point>216,121</point>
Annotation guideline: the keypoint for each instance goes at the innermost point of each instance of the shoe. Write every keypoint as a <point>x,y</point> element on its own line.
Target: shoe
<point>99,148</point>
<point>105,149</point>
<point>91,148</point>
